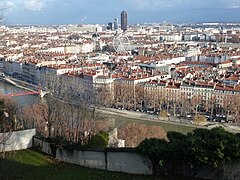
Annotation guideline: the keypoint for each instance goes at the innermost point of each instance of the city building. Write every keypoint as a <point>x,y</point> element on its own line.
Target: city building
<point>110,26</point>
<point>124,21</point>
<point>116,24</point>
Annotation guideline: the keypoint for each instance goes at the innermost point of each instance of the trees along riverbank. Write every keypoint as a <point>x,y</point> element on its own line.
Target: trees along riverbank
<point>188,154</point>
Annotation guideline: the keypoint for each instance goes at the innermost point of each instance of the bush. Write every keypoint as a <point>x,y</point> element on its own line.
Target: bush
<point>210,148</point>
<point>99,141</point>
<point>163,114</point>
<point>198,119</point>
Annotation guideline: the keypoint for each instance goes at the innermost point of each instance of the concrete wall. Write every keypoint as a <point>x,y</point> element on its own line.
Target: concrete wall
<point>129,162</point>
<point>91,159</point>
<point>42,146</point>
<point>17,140</point>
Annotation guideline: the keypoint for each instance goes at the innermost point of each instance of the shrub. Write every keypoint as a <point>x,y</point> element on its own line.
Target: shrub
<point>163,114</point>
<point>201,148</point>
<point>198,119</point>
<point>99,141</point>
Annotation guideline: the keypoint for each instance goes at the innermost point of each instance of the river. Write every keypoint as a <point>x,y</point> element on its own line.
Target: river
<point>6,88</point>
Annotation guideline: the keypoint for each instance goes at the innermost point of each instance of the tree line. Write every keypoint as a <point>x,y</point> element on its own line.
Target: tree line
<point>200,148</point>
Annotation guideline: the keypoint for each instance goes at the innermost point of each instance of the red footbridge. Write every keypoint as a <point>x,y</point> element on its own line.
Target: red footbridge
<point>41,93</point>
<point>32,89</point>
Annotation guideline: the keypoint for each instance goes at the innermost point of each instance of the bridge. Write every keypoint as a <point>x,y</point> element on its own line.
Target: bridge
<point>40,93</point>
<point>31,89</point>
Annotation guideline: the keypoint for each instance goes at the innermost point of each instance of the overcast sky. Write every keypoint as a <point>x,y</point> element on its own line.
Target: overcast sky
<point>103,11</point>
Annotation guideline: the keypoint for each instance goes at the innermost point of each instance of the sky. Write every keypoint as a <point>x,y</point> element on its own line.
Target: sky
<point>103,11</point>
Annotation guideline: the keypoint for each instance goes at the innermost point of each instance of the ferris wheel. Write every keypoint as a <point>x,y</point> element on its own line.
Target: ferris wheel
<point>121,43</point>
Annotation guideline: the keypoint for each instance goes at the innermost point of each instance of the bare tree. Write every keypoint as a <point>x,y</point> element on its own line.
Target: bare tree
<point>196,102</point>
<point>139,96</point>
<point>123,94</point>
<point>104,94</point>
<point>210,104</point>
<point>134,133</point>
<point>8,121</point>
<point>231,104</point>
<point>70,105</point>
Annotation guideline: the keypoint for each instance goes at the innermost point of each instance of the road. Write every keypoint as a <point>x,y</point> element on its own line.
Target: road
<point>169,120</point>
<point>146,117</point>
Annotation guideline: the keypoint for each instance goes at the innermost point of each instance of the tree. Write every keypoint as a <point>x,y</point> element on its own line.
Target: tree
<point>8,121</point>
<point>196,102</point>
<point>176,144</point>
<point>104,94</point>
<point>201,148</point>
<point>134,133</point>
<point>208,147</point>
<point>230,104</point>
<point>199,119</point>
<point>163,114</point>
<point>210,104</point>
<point>79,100</point>
<point>8,112</point>
<point>124,93</point>
<point>139,96</point>
<point>156,150</point>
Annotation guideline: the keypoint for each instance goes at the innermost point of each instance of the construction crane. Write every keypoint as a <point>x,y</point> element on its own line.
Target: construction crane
<point>83,19</point>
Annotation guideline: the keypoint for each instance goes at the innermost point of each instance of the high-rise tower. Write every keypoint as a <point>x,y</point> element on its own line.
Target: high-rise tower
<point>124,21</point>
<point>116,24</point>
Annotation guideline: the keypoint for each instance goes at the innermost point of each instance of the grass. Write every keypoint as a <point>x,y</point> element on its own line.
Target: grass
<point>121,121</point>
<point>166,126</point>
<point>28,164</point>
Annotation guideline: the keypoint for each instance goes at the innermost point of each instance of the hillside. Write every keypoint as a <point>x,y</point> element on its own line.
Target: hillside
<point>28,164</point>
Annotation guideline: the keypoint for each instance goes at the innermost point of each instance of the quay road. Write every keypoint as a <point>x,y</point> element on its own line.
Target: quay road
<point>147,117</point>
<point>168,120</point>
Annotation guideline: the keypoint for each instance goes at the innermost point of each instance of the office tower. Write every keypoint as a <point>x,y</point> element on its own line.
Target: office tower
<point>110,26</point>
<point>124,21</point>
<point>115,23</point>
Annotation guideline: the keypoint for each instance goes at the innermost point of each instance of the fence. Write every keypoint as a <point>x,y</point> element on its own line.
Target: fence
<point>121,161</point>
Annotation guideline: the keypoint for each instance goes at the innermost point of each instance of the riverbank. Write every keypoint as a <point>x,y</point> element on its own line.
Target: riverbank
<point>168,124</point>
<point>124,116</point>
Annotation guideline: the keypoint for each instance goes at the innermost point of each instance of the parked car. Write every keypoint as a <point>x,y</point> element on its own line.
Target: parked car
<point>189,116</point>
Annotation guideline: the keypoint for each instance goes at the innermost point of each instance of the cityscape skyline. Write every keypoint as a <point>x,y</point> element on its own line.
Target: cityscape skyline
<point>140,11</point>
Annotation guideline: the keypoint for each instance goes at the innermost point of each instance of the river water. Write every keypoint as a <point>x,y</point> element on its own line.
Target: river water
<point>6,88</point>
